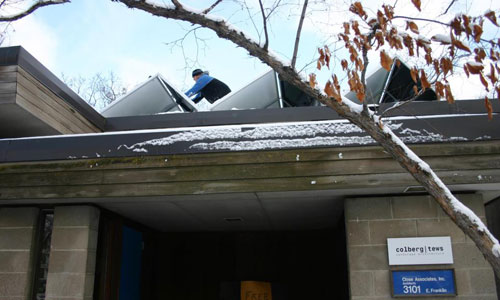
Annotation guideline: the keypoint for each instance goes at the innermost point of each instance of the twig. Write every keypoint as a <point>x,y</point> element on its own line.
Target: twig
<point>264,20</point>
<point>206,11</point>
<point>449,6</point>
<point>402,103</point>
<point>31,9</point>
<point>297,38</point>
<point>421,19</point>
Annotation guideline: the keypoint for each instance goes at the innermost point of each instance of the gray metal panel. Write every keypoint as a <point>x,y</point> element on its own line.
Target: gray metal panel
<point>260,93</point>
<point>149,98</point>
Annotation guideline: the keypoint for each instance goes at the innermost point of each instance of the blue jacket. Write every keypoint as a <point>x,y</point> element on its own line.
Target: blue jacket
<point>200,84</point>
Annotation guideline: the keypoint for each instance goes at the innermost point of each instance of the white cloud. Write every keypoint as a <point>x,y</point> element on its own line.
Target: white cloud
<point>37,38</point>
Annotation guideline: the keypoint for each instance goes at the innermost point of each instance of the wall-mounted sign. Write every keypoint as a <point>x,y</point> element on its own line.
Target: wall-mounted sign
<point>420,251</point>
<point>423,283</point>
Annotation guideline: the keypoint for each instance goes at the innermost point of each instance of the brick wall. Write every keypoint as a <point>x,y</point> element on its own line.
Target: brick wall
<point>17,234</point>
<point>370,221</point>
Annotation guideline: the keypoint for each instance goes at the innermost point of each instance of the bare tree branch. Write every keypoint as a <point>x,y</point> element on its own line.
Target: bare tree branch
<point>299,30</point>
<point>31,9</point>
<point>206,11</point>
<point>421,19</point>
<point>264,20</point>
<point>469,223</point>
<point>449,6</point>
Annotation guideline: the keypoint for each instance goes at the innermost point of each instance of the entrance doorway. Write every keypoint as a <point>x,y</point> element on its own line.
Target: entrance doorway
<point>302,264</point>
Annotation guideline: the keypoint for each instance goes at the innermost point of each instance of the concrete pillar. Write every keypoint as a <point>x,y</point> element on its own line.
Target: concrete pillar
<point>73,253</point>
<point>17,235</point>
<point>370,221</point>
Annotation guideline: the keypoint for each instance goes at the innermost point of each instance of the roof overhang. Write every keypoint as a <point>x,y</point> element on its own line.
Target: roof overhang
<point>34,102</point>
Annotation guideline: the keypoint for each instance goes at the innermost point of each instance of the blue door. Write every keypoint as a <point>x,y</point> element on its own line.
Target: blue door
<point>131,261</point>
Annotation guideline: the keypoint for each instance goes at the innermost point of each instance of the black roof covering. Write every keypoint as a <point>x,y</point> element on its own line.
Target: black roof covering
<point>287,129</point>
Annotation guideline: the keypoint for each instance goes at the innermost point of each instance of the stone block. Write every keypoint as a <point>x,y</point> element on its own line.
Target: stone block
<point>364,258</point>
<point>382,281</point>
<point>468,256</point>
<point>368,208</point>
<point>74,216</point>
<point>15,284</point>
<point>72,261</point>
<point>358,233</point>
<point>482,281</point>
<point>14,261</point>
<point>65,285</point>
<point>440,227</point>
<point>89,285</point>
<point>381,230</point>
<point>362,284</point>
<point>73,239</point>
<point>18,216</point>
<point>16,238</point>
<point>411,207</point>
<point>462,279</point>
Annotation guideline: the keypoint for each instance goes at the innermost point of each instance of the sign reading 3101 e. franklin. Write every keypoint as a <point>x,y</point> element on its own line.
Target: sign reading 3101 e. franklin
<point>420,251</point>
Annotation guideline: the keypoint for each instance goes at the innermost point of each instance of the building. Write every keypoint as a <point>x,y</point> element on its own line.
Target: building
<point>199,205</point>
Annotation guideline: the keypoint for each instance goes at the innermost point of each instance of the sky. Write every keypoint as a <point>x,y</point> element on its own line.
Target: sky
<point>86,37</point>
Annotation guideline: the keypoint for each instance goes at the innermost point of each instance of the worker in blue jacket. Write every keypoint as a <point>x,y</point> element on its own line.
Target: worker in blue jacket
<point>207,87</point>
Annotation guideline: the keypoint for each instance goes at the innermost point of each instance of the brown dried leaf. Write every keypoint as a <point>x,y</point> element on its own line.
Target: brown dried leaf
<point>412,26</point>
<point>382,20</point>
<point>491,16</point>
<point>478,31</point>
<point>379,35</point>
<point>498,92</point>
<point>484,82</point>
<point>423,79</point>
<point>398,63</point>
<point>355,27</point>
<point>346,28</point>
<point>417,4</point>
<point>327,57</point>
<point>456,25</point>
<point>493,77</point>
<point>460,45</point>
<point>439,87</point>
<point>357,8</point>
<point>344,64</point>
<point>385,60</point>
<point>318,65</point>
<point>467,27</point>
<point>312,80</point>
<point>361,95</point>
<point>414,74</point>
<point>474,68</point>
<point>415,89</point>
<point>448,94</point>
<point>336,82</point>
<point>446,65</point>
<point>480,54</point>
<point>329,89</point>
<point>489,108</point>
<point>436,66</point>
<point>389,11</point>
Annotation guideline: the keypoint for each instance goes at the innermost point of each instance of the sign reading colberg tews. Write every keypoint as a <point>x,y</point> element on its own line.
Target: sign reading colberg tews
<point>420,251</point>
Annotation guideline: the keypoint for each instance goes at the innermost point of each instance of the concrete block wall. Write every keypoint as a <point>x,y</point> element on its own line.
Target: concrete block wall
<point>370,221</point>
<point>17,237</point>
<point>73,253</point>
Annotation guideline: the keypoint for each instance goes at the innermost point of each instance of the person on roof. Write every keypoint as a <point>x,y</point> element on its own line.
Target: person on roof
<point>207,87</point>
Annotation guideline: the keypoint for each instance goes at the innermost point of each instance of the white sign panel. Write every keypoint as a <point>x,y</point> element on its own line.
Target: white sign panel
<point>420,251</point>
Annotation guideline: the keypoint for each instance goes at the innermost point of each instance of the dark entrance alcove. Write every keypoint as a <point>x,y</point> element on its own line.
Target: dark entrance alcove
<point>299,264</point>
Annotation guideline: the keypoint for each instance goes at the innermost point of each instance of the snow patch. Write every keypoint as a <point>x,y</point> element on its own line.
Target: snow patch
<point>340,155</point>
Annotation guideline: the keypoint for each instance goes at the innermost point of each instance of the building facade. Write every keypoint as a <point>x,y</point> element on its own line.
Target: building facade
<point>283,203</point>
